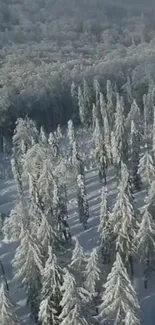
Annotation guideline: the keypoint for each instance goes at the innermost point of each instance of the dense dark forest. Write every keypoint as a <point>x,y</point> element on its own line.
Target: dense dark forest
<point>48,46</point>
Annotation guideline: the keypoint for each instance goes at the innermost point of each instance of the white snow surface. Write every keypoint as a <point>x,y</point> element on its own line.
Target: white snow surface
<point>88,239</point>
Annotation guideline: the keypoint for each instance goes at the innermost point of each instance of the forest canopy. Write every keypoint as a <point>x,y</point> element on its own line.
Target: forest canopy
<point>46,45</point>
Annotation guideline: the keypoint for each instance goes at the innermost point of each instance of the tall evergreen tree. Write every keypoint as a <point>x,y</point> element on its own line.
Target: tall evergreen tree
<point>104,229</point>
<point>99,151</point>
<point>119,296</point>
<point>131,319</point>
<point>119,138</point>
<point>124,221</point>
<point>51,291</point>
<point>145,241</point>
<point>110,104</point>
<point>73,302</point>
<point>82,201</point>
<point>135,154</point>
<point>78,260</point>
<point>92,273</point>
<point>146,169</point>
<point>28,267</point>
<point>7,310</point>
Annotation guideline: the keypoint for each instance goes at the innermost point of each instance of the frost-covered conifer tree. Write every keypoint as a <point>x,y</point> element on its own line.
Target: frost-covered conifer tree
<point>92,273</point>
<point>72,138</point>
<point>128,89</point>
<point>103,106</point>
<point>82,201</point>
<point>13,224</point>
<point>47,235</point>
<point>119,140</point>
<point>60,213</point>
<point>135,154</point>
<point>74,302</point>
<point>124,222</point>
<point>145,241</point>
<point>146,113</point>
<point>131,319</point>
<point>7,310</point>
<point>81,104</point>
<point>42,136</point>
<point>94,116</point>
<point>105,228</point>
<point>107,139</point>
<point>28,267</point>
<point>97,103</point>
<point>51,291</point>
<point>134,115</point>
<point>119,296</point>
<point>99,151</point>
<point>85,104</point>
<point>74,95</point>
<point>153,131</point>
<point>79,259</point>
<point>53,141</point>
<point>17,173</point>
<point>110,104</point>
<point>146,169</point>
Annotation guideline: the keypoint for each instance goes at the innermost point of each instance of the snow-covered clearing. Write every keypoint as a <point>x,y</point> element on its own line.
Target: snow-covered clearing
<point>88,239</point>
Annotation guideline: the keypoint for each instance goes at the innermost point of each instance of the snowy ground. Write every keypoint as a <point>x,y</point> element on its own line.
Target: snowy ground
<point>88,239</point>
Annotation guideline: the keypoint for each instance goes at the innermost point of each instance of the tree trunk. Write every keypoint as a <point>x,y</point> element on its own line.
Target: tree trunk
<point>146,273</point>
<point>4,275</point>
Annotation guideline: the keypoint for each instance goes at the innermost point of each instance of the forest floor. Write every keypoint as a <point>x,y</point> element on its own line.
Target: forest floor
<point>88,239</point>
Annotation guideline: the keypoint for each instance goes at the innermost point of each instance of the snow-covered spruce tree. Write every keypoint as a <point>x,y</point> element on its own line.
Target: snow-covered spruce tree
<point>126,182</point>
<point>145,242</point>
<point>146,169</point>
<point>74,302</point>
<point>47,235</point>
<point>85,104</point>
<point>53,141</point>
<point>7,310</point>
<point>92,273</point>
<point>52,280</point>
<point>131,319</point>
<point>104,228</point>
<point>78,260</point>
<point>119,137</point>
<point>24,134</point>
<point>75,109</point>
<point>28,267</point>
<point>60,213</point>
<point>81,105</point>
<point>13,224</point>
<point>146,113</point>
<point>103,106</point>
<point>99,150</point>
<point>42,136</point>
<point>153,131</point>
<point>17,173</point>
<point>134,115</point>
<point>128,90</point>
<point>110,104</point>
<point>47,313</point>
<point>94,116</point>
<point>135,154</point>
<point>124,222</point>
<point>97,103</point>
<point>82,201</point>
<point>119,296</point>
<point>107,139</point>
<point>71,137</point>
